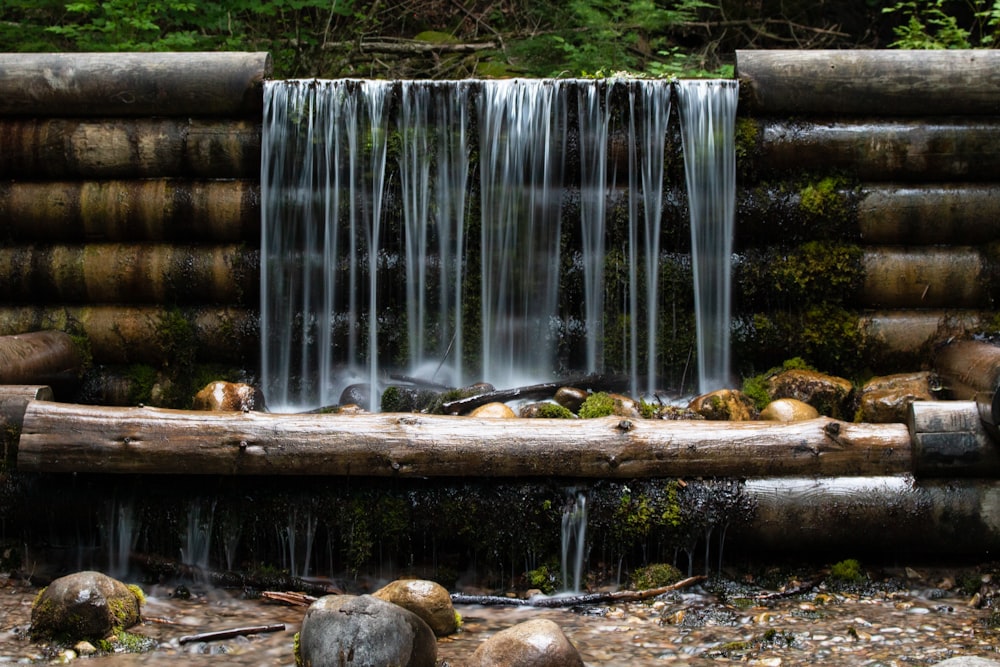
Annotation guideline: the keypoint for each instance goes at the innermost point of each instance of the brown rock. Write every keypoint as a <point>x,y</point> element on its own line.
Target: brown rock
<point>788,410</point>
<point>887,399</point>
<point>229,397</point>
<point>427,599</point>
<point>570,398</point>
<point>85,605</point>
<point>724,405</point>
<point>537,643</point>
<point>830,395</point>
<point>494,411</point>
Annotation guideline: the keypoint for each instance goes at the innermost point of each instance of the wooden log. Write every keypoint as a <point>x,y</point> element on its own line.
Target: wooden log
<point>134,210</point>
<point>936,213</point>
<point>950,440</point>
<point>862,81</point>
<point>130,273</point>
<point>133,84</point>
<point>925,277</point>
<point>970,370</point>
<point>59,148</point>
<point>13,402</point>
<point>59,437</point>
<point>910,336</point>
<point>884,150</point>
<point>146,334</point>
<point>38,357</point>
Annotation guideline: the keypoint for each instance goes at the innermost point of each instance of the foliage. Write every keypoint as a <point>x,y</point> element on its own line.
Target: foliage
<point>655,575</point>
<point>599,404</point>
<point>938,24</point>
<point>847,571</point>
<point>554,411</point>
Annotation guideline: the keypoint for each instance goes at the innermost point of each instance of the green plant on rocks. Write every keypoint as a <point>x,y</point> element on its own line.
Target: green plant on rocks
<point>847,571</point>
<point>599,404</point>
<point>655,575</point>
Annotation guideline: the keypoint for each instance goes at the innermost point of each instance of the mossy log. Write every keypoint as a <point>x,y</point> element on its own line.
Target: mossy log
<point>59,148</point>
<point>970,370</point>
<point>870,82</point>
<point>133,84</point>
<point>879,149</point>
<point>39,357</point>
<point>950,439</point>
<point>129,273</point>
<point>925,277</point>
<point>934,213</point>
<point>59,437</point>
<point>131,210</point>
<point>155,335</point>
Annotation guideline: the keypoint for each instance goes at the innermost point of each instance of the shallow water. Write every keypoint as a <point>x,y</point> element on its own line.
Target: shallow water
<point>918,623</point>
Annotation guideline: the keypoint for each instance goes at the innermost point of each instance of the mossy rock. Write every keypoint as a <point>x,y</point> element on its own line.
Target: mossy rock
<point>655,575</point>
<point>85,605</point>
<point>830,395</point>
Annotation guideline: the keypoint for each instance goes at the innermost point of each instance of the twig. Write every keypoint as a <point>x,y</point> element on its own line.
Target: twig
<point>573,600</point>
<point>291,599</point>
<point>229,634</point>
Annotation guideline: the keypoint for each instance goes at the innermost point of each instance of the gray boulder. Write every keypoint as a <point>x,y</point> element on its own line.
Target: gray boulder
<point>363,631</point>
<point>537,643</point>
<point>85,605</point>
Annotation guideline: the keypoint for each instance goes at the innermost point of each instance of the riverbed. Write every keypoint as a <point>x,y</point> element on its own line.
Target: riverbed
<point>906,617</point>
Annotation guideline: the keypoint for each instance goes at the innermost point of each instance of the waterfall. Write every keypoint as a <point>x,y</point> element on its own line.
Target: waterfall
<point>574,540</point>
<point>708,117</point>
<point>429,228</point>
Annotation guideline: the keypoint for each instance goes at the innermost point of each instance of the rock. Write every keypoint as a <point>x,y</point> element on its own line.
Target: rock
<point>359,394</point>
<point>570,398</point>
<point>544,410</point>
<point>83,606</point>
<point>788,410</point>
<point>363,631</point>
<point>830,395</point>
<point>537,643</point>
<point>427,599</point>
<point>724,405</point>
<point>229,397</point>
<point>967,661</point>
<point>405,398</point>
<point>625,406</point>
<point>494,411</point>
<point>887,399</point>
<point>676,413</point>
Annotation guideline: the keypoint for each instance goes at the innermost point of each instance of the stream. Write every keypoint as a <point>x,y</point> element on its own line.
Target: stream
<point>905,617</point>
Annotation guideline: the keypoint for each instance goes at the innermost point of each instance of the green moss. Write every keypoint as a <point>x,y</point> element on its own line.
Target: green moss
<point>436,37</point>
<point>554,411</point>
<point>393,400</point>
<point>543,578</point>
<point>847,571</point>
<point>647,410</point>
<point>297,650</point>
<point>823,198</point>
<point>141,379</point>
<point>599,404</point>
<point>755,388</point>
<point>819,272</point>
<point>140,596</point>
<point>655,575</point>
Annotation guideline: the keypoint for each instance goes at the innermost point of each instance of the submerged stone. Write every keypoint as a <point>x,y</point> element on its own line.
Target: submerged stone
<point>536,643</point>
<point>83,606</point>
<point>363,631</point>
<point>788,410</point>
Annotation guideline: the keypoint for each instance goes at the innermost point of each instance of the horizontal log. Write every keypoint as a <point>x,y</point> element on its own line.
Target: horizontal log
<point>59,437</point>
<point>878,149</point>
<point>970,370</point>
<point>39,357</point>
<point>14,401</point>
<point>59,148</point>
<point>130,273</point>
<point>950,439</point>
<point>133,84</point>
<point>146,334</point>
<point>910,335</point>
<point>924,277</point>
<point>131,210</point>
<point>942,213</point>
<point>862,81</point>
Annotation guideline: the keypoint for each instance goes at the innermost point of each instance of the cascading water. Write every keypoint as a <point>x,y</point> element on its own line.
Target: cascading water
<point>708,121</point>
<point>574,541</point>
<point>422,227</point>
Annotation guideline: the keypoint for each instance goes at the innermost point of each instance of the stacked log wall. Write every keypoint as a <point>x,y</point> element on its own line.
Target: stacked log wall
<point>891,154</point>
<point>130,204</point>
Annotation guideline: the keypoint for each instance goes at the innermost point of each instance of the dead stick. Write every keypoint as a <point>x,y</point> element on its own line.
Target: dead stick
<point>229,634</point>
<point>572,600</point>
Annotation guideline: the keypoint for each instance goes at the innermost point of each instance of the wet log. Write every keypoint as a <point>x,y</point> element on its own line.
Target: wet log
<point>146,334</point>
<point>970,370</point>
<point>13,402</point>
<point>878,149</point>
<point>133,84</point>
<point>860,81</point>
<point>563,601</point>
<point>912,335</point>
<point>39,357</point>
<point>925,277</point>
<point>129,273</point>
<point>59,437</point>
<point>219,635</point>
<point>59,148</point>
<point>965,213</point>
<point>133,210</point>
<point>950,439</point>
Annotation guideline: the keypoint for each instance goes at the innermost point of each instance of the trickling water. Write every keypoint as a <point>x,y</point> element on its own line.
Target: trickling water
<point>197,538</point>
<point>373,258</point>
<point>708,117</point>
<point>120,536</point>
<point>574,541</point>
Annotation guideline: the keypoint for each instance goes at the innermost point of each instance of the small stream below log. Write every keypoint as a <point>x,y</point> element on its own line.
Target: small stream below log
<point>893,622</point>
